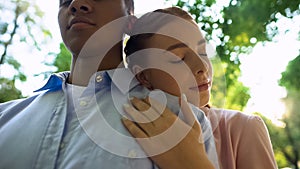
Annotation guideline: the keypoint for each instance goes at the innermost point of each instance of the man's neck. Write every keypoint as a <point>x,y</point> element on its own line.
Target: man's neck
<point>83,68</point>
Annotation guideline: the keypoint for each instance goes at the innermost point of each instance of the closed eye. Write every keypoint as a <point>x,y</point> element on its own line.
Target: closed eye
<point>202,54</point>
<point>178,61</point>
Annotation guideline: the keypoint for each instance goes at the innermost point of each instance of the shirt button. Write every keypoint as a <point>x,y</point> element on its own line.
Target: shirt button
<point>62,145</point>
<point>132,154</point>
<point>99,78</point>
<point>83,103</point>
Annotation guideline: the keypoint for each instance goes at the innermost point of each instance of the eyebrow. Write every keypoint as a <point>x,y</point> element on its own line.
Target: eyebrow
<point>183,45</point>
<point>177,45</point>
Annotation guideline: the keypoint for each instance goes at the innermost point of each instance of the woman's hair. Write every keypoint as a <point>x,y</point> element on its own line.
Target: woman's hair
<point>151,22</point>
<point>176,11</point>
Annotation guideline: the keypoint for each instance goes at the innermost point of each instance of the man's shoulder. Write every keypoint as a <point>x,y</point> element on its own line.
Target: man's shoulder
<point>27,100</point>
<point>43,99</point>
<point>9,104</point>
<point>11,108</point>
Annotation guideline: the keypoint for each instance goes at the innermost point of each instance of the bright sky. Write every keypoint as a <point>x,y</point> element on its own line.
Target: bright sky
<point>261,69</point>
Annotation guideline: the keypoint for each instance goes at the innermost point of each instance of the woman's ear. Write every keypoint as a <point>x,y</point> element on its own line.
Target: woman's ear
<point>131,19</point>
<point>142,76</point>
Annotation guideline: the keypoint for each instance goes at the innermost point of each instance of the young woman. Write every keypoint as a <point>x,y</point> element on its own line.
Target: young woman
<point>242,140</point>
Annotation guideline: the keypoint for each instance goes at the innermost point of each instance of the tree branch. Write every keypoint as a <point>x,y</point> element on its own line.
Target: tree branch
<point>6,44</point>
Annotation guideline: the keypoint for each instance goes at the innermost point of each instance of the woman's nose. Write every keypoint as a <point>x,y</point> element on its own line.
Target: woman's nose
<point>201,65</point>
<point>80,6</point>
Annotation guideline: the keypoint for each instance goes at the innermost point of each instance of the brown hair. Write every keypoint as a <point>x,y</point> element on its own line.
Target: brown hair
<point>130,5</point>
<point>136,41</point>
<point>176,11</point>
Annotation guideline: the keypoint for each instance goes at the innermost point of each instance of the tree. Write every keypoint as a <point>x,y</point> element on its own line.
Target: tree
<point>8,90</point>
<point>236,27</point>
<point>19,23</point>
<point>235,97</point>
<point>290,80</point>
<point>286,137</point>
<point>278,137</point>
<point>61,61</point>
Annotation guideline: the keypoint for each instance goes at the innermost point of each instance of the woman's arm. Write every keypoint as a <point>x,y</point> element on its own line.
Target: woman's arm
<point>255,148</point>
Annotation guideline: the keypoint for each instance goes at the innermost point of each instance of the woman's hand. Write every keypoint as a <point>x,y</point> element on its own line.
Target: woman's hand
<point>170,142</point>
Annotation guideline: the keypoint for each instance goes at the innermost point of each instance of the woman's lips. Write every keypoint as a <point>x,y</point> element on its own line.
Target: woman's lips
<point>201,87</point>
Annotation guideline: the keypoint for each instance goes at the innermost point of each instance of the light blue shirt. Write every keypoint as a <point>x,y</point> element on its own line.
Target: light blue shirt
<point>53,130</point>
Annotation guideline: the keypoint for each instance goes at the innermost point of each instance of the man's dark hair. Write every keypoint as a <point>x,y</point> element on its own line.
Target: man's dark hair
<point>130,5</point>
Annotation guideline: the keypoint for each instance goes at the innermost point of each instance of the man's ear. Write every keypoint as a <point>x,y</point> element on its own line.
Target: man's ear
<point>142,76</point>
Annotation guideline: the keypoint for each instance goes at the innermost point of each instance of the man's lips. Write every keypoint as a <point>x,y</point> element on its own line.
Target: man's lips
<point>80,22</point>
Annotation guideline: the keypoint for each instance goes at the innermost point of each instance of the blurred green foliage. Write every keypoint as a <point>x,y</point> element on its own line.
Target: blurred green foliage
<point>8,90</point>
<point>289,143</point>
<point>62,60</point>
<point>19,23</point>
<point>291,78</point>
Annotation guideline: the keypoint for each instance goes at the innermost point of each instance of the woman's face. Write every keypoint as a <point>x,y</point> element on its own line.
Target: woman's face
<point>79,19</point>
<point>182,66</point>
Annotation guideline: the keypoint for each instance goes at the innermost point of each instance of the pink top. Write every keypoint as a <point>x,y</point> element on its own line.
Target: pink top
<point>242,140</point>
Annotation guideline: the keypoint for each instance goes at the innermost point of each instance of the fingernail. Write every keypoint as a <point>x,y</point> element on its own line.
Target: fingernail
<point>183,96</point>
<point>126,105</point>
<point>124,119</point>
<point>130,97</point>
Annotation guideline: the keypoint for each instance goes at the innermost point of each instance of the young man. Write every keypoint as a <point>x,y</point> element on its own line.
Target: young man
<point>75,120</point>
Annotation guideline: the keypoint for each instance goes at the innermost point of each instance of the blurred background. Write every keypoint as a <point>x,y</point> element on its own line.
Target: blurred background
<point>256,61</point>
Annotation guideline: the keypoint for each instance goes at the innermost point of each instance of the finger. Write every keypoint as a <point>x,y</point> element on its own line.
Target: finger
<point>134,129</point>
<point>146,120</point>
<point>139,104</point>
<point>144,108</point>
<point>159,108</point>
<point>140,136</point>
<point>188,114</point>
<point>135,115</point>
<point>149,121</point>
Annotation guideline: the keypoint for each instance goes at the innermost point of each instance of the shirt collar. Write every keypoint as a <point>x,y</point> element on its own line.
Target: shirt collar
<point>55,82</point>
<point>122,78</point>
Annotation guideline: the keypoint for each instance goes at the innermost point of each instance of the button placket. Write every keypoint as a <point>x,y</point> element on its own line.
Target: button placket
<point>62,145</point>
<point>99,78</point>
<point>82,103</point>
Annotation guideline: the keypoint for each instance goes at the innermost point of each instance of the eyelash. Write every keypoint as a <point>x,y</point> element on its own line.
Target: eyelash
<point>179,61</point>
<point>202,54</point>
<point>182,59</point>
